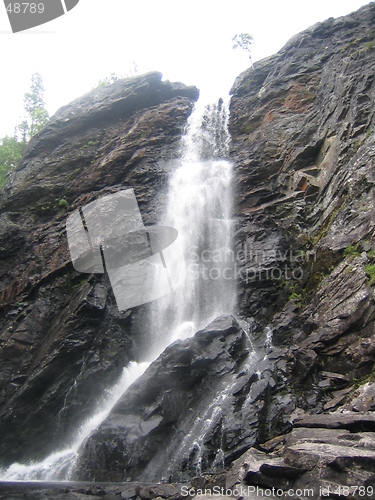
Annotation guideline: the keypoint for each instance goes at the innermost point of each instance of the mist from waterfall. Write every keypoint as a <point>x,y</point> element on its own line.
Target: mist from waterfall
<point>199,207</point>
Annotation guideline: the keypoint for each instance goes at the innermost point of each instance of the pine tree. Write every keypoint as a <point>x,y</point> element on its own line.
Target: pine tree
<point>11,151</point>
<point>243,41</point>
<point>36,115</point>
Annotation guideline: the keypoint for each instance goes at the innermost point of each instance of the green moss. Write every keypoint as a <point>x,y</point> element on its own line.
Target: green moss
<point>310,96</point>
<point>370,271</point>
<point>351,250</point>
<point>43,208</point>
<point>80,283</point>
<point>352,44</point>
<point>63,204</point>
<point>358,382</point>
<point>295,296</point>
<point>369,45</point>
<point>249,128</point>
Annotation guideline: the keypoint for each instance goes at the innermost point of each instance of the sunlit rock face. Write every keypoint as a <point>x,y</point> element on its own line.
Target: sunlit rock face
<point>63,340</point>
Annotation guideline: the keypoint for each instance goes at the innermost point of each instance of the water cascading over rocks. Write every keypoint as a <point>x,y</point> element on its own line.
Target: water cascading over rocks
<point>203,401</point>
<point>303,147</point>
<point>199,207</point>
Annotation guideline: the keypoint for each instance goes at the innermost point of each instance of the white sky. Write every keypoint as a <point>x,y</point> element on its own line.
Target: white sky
<point>188,41</point>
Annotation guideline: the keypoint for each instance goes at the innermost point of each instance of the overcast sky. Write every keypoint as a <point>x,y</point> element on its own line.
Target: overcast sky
<point>186,41</point>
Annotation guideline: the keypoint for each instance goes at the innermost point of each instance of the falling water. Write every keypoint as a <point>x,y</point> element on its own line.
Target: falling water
<point>199,207</point>
<point>58,465</point>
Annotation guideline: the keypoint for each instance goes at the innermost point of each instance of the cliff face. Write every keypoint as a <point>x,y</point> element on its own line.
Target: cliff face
<point>302,125</point>
<point>62,339</point>
<point>303,142</point>
<point>251,394</point>
<point>303,147</point>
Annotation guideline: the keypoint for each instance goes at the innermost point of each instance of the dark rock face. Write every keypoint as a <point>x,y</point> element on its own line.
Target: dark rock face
<point>302,126</point>
<point>63,340</point>
<point>303,143</point>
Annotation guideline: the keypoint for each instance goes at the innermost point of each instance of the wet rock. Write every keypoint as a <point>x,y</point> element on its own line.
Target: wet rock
<point>347,420</point>
<point>297,129</point>
<point>157,491</point>
<point>312,459</point>
<point>258,467</point>
<point>338,397</point>
<point>197,406</point>
<point>363,399</point>
<point>209,481</point>
<point>273,444</point>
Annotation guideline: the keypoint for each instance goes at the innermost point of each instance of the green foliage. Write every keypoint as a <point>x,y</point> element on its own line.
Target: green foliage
<point>36,115</point>
<point>295,296</point>
<point>112,78</point>
<point>63,204</point>
<point>351,250</point>
<point>370,271</point>
<point>243,41</point>
<point>370,45</point>
<point>10,154</point>
<point>90,144</point>
<point>108,80</point>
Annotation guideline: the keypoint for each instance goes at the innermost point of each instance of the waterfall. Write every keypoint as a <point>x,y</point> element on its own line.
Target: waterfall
<point>58,465</point>
<point>199,207</point>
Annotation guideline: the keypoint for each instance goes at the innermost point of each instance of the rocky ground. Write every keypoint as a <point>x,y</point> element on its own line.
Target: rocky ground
<point>283,395</point>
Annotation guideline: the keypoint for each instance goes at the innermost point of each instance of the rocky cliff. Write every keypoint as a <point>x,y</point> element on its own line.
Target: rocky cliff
<point>303,146</point>
<point>303,143</point>
<point>284,394</point>
<point>63,340</point>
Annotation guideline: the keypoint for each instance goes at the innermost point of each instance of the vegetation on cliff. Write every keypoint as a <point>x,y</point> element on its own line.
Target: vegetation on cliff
<point>35,118</point>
